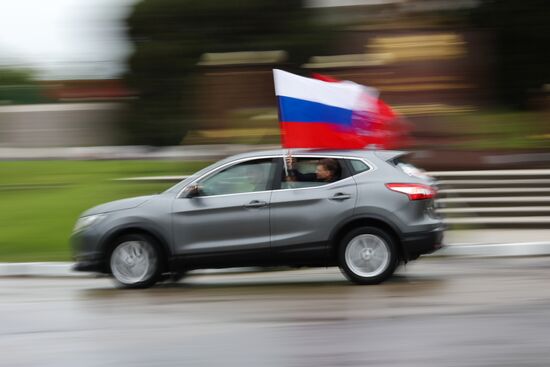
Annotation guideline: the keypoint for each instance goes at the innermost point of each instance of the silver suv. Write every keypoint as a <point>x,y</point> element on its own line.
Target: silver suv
<point>254,210</point>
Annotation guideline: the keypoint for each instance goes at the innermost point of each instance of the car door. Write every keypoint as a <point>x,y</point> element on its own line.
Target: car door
<point>303,214</point>
<point>228,222</point>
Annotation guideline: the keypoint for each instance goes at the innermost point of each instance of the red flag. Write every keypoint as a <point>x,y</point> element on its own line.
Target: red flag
<point>382,128</point>
<point>325,78</point>
<point>396,129</point>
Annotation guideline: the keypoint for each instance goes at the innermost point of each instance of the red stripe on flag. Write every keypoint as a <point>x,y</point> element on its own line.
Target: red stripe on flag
<point>318,135</point>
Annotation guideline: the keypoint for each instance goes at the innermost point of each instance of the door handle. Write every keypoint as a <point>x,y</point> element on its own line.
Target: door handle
<point>255,204</point>
<point>341,196</point>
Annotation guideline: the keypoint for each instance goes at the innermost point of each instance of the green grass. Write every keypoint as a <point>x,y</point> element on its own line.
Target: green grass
<point>494,130</point>
<point>41,200</point>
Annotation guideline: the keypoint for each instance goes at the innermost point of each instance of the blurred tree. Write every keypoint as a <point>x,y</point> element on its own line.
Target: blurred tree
<point>169,36</point>
<point>18,86</point>
<point>522,37</point>
<point>16,77</point>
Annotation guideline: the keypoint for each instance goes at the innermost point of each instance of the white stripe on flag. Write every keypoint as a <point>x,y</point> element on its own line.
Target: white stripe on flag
<point>344,94</point>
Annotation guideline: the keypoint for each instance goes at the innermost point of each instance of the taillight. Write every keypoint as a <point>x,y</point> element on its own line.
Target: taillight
<point>413,191</point>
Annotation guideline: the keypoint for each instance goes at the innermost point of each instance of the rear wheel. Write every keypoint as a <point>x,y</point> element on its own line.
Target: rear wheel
<point>368,255</point>
<point>135,261</point>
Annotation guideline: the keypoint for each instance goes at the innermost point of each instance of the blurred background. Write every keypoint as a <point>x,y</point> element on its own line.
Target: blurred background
<point>96,96</point>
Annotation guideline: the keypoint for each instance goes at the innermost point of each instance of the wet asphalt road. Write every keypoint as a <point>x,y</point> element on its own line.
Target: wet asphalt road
<point>435,312</point>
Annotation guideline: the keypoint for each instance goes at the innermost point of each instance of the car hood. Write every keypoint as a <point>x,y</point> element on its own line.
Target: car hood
<point>118,205</point>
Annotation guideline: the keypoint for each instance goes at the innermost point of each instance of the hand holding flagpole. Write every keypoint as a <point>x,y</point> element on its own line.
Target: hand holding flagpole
<point>285,163</point>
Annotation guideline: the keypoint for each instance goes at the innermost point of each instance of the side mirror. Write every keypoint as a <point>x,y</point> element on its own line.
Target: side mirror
<point>191,191</point>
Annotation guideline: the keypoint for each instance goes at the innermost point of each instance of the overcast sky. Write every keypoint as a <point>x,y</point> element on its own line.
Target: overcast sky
<point>75,38</point>
<point>65,38</point>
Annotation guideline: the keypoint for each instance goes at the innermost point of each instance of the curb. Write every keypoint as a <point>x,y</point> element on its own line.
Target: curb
<point>495,250</point>
<point>63,269</point>
<point>41,269</point>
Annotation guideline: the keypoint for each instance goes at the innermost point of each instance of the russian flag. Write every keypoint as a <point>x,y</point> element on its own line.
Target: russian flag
<point>320,114</point>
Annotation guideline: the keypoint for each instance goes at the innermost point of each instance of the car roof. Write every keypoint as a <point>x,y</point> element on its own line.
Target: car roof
<point>359,153</point>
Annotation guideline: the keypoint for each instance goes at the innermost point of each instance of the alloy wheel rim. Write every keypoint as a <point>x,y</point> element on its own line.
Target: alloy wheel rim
<point>133,262</point>
<point>367,255</point>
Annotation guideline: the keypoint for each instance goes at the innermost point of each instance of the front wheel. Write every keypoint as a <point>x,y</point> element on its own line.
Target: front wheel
<point>135,262</point>
<point>368,255</point>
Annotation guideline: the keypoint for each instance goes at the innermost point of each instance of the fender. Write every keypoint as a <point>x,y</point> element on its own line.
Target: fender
<point>137,224</point>
<point>370,213</point>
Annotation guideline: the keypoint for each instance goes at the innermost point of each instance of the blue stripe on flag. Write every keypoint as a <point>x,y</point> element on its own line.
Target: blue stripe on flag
<point>299,110</point>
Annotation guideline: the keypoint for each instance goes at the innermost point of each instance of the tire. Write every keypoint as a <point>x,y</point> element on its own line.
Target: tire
<point>368,255</point>
<point>135,261</point>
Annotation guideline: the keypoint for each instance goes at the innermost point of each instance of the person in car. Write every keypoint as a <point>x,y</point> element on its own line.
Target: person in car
<point>327,170</point>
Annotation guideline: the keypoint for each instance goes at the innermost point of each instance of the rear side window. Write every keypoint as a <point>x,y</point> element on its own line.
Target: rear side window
<point>358,166</point>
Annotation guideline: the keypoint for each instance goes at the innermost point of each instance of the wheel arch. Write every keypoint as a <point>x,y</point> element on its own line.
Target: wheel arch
<point>365,221</point>
<point>108,242</point>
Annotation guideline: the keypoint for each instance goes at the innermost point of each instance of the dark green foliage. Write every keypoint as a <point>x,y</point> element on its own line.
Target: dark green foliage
<point>522,31</point>
<point>18,86</point>
<point>169,36</point>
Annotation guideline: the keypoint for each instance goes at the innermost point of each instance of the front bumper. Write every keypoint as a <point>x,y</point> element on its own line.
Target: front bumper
<point>85,249</point>
<point>91,265</point>
<point>421,243</point>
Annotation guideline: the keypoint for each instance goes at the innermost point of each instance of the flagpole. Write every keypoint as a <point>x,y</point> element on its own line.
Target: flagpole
<point>281,128</point>
<point>285,163</point>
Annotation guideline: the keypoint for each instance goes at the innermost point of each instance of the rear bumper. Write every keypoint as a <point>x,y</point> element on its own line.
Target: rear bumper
<point>421,243</point>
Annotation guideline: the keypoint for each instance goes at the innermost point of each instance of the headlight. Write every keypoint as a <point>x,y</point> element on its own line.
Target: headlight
<point>87,221</point>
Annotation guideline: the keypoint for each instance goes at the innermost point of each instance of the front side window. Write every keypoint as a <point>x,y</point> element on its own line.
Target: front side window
<point>310,172</point>
<point>248,176</point>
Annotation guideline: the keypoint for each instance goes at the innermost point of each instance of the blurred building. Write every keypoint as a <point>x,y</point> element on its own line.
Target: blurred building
<point>65,113</point>
<point>423,66</point>
<point>59,125</point>
<point>426,62</point>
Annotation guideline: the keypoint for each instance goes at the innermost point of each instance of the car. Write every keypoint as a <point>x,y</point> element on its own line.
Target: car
<point>249,210</point>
